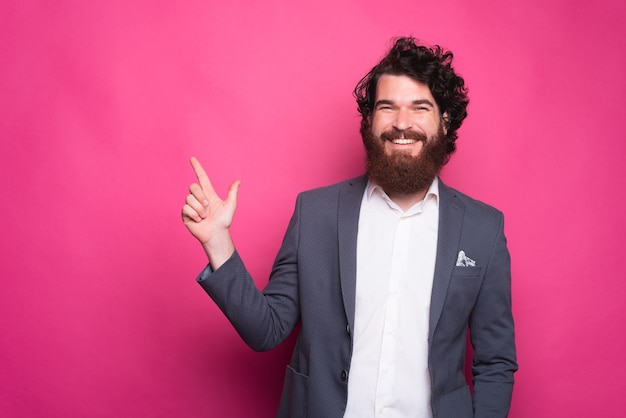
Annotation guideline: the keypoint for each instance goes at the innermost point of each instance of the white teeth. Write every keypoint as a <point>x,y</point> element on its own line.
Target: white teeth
<point>403,141</point>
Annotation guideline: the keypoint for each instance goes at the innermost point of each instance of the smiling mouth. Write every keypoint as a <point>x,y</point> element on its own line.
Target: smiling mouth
<point>408,137</point>
<point>403,141</point>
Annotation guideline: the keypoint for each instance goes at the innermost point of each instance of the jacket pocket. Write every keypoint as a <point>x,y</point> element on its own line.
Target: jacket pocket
<point>465,284</point>
<point>461,271</point>
<point>293,402</point>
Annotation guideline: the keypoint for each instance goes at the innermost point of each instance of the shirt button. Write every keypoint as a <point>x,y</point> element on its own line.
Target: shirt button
<point>344,375</point>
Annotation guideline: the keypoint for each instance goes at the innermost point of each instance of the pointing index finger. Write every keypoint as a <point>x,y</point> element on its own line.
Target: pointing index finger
<point>202,176</point>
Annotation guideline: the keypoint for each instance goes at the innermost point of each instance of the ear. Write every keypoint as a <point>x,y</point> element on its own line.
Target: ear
<point>445,119</point>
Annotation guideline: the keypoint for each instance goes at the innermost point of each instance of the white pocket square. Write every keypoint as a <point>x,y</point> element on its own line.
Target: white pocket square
<point>464,261</point>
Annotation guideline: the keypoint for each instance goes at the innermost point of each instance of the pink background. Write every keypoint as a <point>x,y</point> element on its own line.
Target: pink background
<point>103,102</point>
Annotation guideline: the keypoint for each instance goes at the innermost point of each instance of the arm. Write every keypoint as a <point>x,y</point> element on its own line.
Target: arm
<point>262,319</point>
<point>492,335</point>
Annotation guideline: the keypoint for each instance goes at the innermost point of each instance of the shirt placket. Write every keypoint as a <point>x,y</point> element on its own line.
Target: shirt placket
<point>389,346</point>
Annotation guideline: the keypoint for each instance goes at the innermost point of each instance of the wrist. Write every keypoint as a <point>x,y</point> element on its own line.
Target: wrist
<point>219,249</point>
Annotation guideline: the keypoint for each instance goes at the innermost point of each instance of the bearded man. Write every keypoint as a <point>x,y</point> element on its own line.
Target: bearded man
<point>387,273</point>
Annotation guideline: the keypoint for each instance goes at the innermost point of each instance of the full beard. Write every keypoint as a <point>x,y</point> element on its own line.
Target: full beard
<point>402,173</point>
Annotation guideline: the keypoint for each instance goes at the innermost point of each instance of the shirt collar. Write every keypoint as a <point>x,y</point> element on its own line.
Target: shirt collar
<point>433,191</point>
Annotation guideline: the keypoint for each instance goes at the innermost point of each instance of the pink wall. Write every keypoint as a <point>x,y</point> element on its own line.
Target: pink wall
<point>103,102</point>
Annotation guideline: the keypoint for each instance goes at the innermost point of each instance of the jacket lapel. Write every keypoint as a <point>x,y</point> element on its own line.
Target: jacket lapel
<point>349,208</point>
<point>451,212</point>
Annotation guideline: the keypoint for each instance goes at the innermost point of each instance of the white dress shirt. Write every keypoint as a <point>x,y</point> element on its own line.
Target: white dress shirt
<point>396,253</point>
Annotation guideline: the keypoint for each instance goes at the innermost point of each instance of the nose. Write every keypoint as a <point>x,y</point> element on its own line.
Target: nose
<point>402,120</point>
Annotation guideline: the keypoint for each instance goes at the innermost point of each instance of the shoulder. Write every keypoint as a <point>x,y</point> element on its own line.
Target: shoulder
<point>452,196</point>
<point>339,199</point>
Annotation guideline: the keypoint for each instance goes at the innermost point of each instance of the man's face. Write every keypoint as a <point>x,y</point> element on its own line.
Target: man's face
<point>404,141</point>
<point>405,114</point>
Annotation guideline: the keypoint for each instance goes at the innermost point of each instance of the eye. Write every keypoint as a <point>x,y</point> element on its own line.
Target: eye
<point>384,107</point>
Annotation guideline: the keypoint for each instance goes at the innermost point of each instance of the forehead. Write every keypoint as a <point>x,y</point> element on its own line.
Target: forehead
<point>400,88</point>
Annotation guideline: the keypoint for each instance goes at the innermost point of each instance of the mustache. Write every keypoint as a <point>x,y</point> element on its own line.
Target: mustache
<point>395,133</point>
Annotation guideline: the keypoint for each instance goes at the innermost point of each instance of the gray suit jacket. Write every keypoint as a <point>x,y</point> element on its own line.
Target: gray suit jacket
<point>313,282</point>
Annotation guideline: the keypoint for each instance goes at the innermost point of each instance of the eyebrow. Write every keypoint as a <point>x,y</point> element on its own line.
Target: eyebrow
<point>414,102</point>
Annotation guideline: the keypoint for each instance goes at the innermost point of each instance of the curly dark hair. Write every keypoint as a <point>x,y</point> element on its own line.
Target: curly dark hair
<point>431,66</point>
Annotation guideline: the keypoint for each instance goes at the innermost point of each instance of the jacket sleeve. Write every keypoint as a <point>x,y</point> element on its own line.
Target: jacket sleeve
<point>265,318</point>
<point>492,335</point>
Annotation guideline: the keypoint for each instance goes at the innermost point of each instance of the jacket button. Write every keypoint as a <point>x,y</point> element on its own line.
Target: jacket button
<point>348,329</point>
<point>344,375</point>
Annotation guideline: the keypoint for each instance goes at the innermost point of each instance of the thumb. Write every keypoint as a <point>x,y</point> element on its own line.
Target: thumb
<point>233,190</point>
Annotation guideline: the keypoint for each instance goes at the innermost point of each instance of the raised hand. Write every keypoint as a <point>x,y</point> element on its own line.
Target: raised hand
<point>208,217</point>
